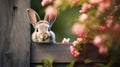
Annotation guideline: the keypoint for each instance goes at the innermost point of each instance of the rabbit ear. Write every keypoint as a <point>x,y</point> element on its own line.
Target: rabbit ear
<point>33,16</point>
<point>50,19</point>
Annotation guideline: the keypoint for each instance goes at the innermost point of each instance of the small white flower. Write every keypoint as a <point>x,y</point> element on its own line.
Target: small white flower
<point>66,40</point>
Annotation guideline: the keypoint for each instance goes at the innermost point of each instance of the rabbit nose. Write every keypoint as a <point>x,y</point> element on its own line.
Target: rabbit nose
<point>44,37</point>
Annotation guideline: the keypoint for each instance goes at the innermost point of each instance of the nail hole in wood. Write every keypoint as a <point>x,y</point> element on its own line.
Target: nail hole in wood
<point>15,8</point>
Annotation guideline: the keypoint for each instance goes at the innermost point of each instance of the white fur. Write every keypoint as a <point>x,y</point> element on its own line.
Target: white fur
<point>41,33</point>
<point>38,39</point>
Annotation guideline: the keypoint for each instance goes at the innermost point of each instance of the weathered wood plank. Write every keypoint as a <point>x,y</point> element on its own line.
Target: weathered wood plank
<point>60,52</point>
<point>14,33</point>
<point>65,65</point>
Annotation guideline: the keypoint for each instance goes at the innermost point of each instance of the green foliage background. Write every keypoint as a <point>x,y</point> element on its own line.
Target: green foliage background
<point>68,15</point>
<point>63,23</point>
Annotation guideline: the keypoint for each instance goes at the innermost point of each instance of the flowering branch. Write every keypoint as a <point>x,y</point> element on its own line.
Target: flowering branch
<point>98,22</point>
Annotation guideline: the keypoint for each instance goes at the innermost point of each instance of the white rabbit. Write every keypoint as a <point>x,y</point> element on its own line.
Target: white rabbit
<point>42,33</point>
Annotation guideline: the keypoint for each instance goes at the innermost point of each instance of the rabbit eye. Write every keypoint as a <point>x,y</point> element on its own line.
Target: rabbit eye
<point>48,29</point>
<point>37,30</point>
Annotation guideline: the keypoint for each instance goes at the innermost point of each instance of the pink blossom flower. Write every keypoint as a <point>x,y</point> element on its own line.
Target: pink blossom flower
<point>83,17</point>
<point>65,40</point>
<point>98,41</point>
<point>75,43</point>
<point>83,36</point>
<point>103,50</point>
<point>57,3</point>
<point>102,28</point>
<point>45,2</point>
<point>85,7</point>
<point>116,28</point>
<point>76,53</point>
<point>74,1</point>
<point>72,49</point>
<point>78,28</point>
<point>103,6</point>
<point>79,39</point>
<point>51,12</point>
<point>109,23</point>
<point>95,1</point>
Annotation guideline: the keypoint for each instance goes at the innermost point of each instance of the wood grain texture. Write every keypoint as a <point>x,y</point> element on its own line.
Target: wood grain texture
<point>66,64</point>
<point>14,33</point>
<point>60,53</point>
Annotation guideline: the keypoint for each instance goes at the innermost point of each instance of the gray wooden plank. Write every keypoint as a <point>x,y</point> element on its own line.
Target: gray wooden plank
<point>14,33</point>
<point>54,65</point>
<point>66,64</point>
<point>60,52</point>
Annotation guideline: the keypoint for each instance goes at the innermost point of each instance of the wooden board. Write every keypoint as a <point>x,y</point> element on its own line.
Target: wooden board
<point>14,33</point>
<point>60,52</point>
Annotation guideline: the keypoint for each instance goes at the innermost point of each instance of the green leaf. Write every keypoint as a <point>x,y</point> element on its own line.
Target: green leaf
<point>64,5</point>
<point>100,65</point>
<point>71,64</point>
<point>48,62</point>
<point>87,61</point>
<point>82,2</point>
<point>39,66</point>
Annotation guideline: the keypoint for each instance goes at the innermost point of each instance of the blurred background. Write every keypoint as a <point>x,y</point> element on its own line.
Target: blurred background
<point>92,21</point>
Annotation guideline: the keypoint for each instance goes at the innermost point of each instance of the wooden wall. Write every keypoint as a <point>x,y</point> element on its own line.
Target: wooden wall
<point>14,34</point>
